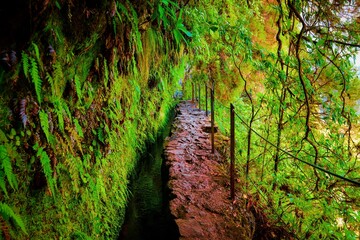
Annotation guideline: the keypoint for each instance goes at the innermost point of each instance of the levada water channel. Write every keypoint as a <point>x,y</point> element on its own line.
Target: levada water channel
<point>148,215</point>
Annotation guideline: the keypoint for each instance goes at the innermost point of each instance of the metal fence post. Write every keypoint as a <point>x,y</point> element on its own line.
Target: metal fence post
<point>192,92</point>
<point>206,100</point>
<point>199,96</point>
<point>232,152</point>
<point>212,120</point>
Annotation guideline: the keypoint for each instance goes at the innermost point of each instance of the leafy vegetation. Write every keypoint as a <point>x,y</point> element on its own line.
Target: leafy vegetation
<point>76,115</point>
<point>291,80</point>
<point>96,81</point>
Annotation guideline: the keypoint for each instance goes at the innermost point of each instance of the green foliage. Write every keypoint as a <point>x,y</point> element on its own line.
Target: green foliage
<point>93,121</point>
<point>46,165</point>
<point>35,77</point>
<point>37,51</point>
<point>179,30</point>
<point>78,87</point>
<point>106,74</point>
<point>81,236</point>
<point>62,110</point>
<point>132,17</point>
<point>25,64</point>
<point>6,169</point>
<point>3,183</point>
<point>165,12</point>
<point>58,82</point>
<point>135,29</point>
<point>298,100</point>
<point>165,15</point>
<point>44,122</point>
<point>7,213</point>
<point>78,128</point>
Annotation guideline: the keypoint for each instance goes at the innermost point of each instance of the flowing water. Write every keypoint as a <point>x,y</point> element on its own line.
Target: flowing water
<point>148,215</point>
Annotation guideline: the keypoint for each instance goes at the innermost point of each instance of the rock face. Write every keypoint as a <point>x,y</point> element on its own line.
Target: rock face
<point>198,181</point>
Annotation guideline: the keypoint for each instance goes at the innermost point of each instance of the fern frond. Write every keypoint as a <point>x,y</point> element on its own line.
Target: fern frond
<point>100,135</point>
<point>74,138</point>
<point>35,77</point>
<point>59,113</point>
<point>46,165</point>
<point>72,165</point>
<point>7,213</point>
<point>78,128</point>
<point>6,165</point>
<point>58,77</point>
<point>135,29</point>
<point>37,52</point>
<point>121,9</point>
<point>101,188</point>
<point>3,138</point>
<point>78,87</point>
<point>2,183</point>
<point>106,74</point>
<point>25,63</point>
<point>81,236</point>
<point>51,82</point>
<point>44,122</point>
<point>66,108</point>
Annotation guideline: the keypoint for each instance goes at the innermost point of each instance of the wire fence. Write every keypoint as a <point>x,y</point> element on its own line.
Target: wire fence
<point>196,96</point>
<point>235,120</point>
<point>356,183</point>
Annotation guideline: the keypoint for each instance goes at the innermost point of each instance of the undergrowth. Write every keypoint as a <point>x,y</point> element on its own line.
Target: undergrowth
<point>81,104</point>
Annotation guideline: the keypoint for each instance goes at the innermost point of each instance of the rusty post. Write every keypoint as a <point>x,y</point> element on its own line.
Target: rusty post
<point>206,100</point>
<point>192,92</point>
<point>232,152</point>
<point>199,96</point>
<point>212,120</point>
<point>195,95</point>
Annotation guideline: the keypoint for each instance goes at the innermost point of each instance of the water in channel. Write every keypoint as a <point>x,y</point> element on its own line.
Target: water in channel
<point>148,215</point>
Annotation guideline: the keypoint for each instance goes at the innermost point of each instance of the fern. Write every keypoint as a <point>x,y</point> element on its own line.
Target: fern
<point>38,56</point>
<point>81,236</point>
<point>135,28</point>
<point>78,128</point>
<point>34,72</point>
<point>58,79</point>
<point>6,166</point>
<point>7,213</point>
<point>2,183</point>
<point>45,163</point>
<point>100,135</point>
<point>106,74</point>
<point>78,87</point>
<point>59,113</point>
<point>51,82</point>
<point>57,4</point>
<point>44,122</point>
<point>66,108</point>
<point>72,166</point>
<point>3,138</point>
<point>74,137</point>
<point>25,63</point>
<point>122,9</point>
<point>37,52</point>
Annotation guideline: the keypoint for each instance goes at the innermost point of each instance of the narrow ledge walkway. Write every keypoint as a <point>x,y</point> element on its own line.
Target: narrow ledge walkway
<point>198,183</point>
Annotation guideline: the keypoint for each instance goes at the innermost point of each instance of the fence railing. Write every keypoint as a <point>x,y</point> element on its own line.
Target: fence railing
<point>234,115</point>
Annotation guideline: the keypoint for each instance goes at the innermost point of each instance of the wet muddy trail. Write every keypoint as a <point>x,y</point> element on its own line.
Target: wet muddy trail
<point>199,182</point>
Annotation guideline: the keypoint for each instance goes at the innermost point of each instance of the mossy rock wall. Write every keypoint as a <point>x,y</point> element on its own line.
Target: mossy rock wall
<point>80,95</point>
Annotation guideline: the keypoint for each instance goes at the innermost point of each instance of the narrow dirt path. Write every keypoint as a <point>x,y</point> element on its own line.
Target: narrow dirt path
<point>198,182</point>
